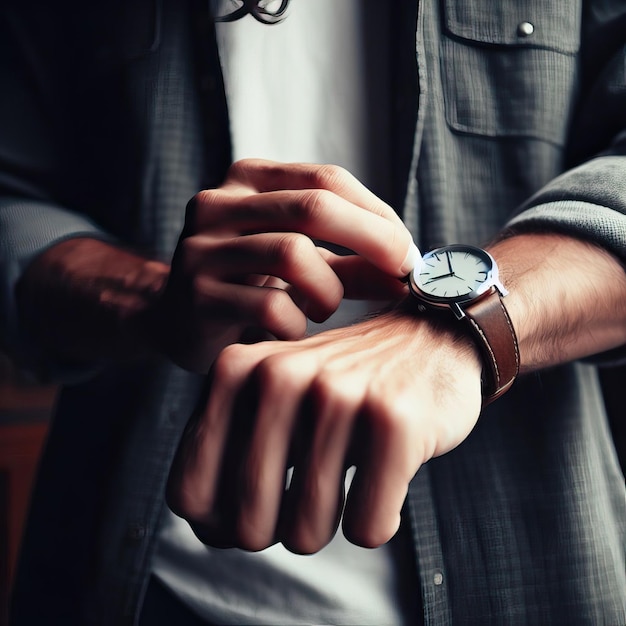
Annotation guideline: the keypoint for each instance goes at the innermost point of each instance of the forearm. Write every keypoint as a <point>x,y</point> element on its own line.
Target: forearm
<point>87,300</point>
<point>566,300</point>
<point>567,297</point>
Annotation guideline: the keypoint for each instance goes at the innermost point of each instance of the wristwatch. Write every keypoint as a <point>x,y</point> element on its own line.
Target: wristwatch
<point>464,279</point>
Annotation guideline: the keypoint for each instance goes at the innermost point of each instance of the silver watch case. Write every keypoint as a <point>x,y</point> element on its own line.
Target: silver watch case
<point>455,303</point>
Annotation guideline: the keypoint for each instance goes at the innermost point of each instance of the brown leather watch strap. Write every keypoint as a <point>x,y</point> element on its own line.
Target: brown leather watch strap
<point>493,330</point>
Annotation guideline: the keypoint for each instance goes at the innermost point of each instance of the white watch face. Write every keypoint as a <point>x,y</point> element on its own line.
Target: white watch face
<point>454,272</point>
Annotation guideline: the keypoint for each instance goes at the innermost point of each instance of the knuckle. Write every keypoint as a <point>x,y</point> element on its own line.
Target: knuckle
<point>324,390</point>
<point>395,427</point>
<point>246,170</point>
<point>278,372</point>
<point>200,212</point>
<point>231,356</point>
<point>228,362</point>
<point>385,411</point>
<point>250,539</point>
<point>368,536</point>
<point>186,503</point>
<point>273,308</point>
<point>316,203</point>
<point>239,168</point>
<point>202,201</point>
<point>331,390</point>
<point>252,534</point>
<point>294,248</point>
<point>388,420</point>
<point>302,540</point>
<point>329,176</point>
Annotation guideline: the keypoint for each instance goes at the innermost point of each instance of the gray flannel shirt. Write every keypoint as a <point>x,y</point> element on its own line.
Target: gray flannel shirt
<point>113,116</point>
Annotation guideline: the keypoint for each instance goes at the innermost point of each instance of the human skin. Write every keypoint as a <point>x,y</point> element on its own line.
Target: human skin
<point>245,260</point>
<point>385,395</point>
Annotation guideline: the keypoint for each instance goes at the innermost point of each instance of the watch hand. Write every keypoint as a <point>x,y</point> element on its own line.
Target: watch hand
<point>449,262</point>
<point>432,280</point>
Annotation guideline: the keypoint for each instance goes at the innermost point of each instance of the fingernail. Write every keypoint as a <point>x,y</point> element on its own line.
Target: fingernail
<point>412,259</point>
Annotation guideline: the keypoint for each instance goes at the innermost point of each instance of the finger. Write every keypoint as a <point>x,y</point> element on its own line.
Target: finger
<point>254,314</point>
<point>271,282</point>
<point>291,257</point>
<point>271,309</point>
<point>281,381</point>
<point>205,483</point>
<point>317,213</point>
<point>315,498</point>
<point>264,175</point>
<point>194,477</point>
<point>363,281</point>
<point>386,464</point>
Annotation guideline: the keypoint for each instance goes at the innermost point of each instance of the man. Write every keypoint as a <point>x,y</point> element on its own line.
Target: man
<point>509,513</point>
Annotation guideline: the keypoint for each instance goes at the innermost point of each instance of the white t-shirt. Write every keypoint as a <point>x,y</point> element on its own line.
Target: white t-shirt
<point>301,90</point>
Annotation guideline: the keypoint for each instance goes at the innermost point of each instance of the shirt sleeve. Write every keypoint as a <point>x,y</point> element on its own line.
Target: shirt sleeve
<point>34,144</point>
<point>28,228</point>
<point>588,201</point>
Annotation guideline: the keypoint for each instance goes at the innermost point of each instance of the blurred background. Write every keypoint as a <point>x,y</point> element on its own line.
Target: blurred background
<point>25,409</point>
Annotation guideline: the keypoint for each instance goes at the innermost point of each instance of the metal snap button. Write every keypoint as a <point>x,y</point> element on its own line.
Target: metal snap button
<point>525,29</point>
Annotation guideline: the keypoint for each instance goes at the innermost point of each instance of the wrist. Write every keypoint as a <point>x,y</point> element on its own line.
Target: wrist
<point>433,334</point>
<point>461,282</point>
<point>567,297</point>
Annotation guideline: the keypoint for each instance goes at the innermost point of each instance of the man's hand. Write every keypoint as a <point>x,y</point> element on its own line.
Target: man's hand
<point>385,395</point>
<point>246,260</point>
<point>247,256</point>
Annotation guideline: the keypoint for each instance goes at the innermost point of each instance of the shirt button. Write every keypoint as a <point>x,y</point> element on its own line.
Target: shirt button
<point>525,29</point>
<point>438,578</point>
<point>136,532</point>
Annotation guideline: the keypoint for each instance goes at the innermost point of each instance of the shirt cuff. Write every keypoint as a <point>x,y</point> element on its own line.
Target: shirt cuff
<point>28,228</point>
<point>586,220</point>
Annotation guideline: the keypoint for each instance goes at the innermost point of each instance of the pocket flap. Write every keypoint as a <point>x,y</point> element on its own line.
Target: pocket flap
<point>528,23</point>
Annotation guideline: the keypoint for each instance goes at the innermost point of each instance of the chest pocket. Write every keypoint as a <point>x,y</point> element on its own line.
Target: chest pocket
<point>509,67</point>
